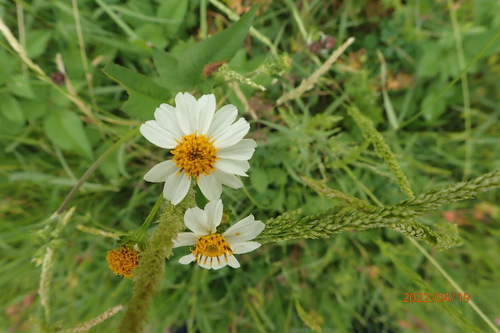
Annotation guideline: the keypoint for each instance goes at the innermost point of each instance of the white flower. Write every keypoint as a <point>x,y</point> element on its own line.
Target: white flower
<point>211,249</point>
<point>206,145</point>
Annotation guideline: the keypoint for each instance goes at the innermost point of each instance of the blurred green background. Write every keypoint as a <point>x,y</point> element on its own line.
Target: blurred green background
<point>399,72</point>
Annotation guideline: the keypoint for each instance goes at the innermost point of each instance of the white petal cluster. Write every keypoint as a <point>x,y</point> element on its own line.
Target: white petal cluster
<point>191,116</point>
<point>204,223</point>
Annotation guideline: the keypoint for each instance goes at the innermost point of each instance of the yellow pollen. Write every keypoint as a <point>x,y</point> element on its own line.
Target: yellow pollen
<point>211,247</point>
<point>123,260</point>
<point>195,155</point>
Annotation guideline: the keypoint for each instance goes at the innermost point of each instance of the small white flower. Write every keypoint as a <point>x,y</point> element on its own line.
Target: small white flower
<point>211,249</point>
<point>206,145</point>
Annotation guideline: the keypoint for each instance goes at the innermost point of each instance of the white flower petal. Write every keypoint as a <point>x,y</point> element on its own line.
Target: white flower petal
<point>228,179</point>
<point>207,109</point>
<point>196,220</point>
<point>176,187</point>
<point>187,259</point>
<point>245,247</point>
<point>244,230</point>
<point>233,262</point>
<point>232,166</point>
<point>243,150</point>
<point>218,262</point>
<point>224,117</point>
<point>210,187</point>
<point>204,262</point>
<point>213,211</point>
<point>166,118</point>
<point>160,172</point>
<point>231,135</point>
<point>185,239</point>
<point>186,107</point>
<point>157,135</point>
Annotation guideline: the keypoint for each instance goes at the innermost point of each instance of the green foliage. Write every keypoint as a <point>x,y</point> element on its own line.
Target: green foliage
<point>354,214</point>
<point>178,72</point>
<point>220,47</point>
<point>382,149</point>
<point>12,110</point>
<point>309,320</point>
<point>287,286</point>
<point>149,273</point>
<point>144,94</point>
<point>65,129</point>
<point>423,287</point>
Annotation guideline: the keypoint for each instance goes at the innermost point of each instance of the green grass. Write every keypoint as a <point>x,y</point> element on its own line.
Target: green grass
<point>440,121</point>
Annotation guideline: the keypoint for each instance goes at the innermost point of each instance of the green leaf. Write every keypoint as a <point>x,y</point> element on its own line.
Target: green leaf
<point>174,11</point>
<point>36,108</point>
<point>144,94</point>
<point>36,42</point>
<point>65,129</point>
<point>221,46</point>
<point>110,167</point>
<point>259,180</point>
<point>428,66</point>
<point>20,86</point>
<point>151,34</point>
<point>167,66</point>
<point>12,110</point>
<point>433,107</point>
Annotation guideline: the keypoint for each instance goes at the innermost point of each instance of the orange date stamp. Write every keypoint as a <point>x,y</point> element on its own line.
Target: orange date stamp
<point>436,297</point>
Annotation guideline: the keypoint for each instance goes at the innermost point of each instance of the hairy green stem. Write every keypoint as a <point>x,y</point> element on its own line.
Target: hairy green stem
<point>152,263</point>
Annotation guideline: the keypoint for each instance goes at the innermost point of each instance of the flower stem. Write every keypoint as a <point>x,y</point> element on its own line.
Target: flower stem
<point>152,213</point>
<point>152,263</point>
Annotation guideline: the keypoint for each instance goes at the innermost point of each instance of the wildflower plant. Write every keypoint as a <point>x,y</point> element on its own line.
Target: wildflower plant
<point>212,249</point>
<point>208,145</point>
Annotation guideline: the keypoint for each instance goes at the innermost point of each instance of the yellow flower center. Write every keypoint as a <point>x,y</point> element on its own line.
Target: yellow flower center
<point>123,260</point>
<point>211,247</point>
<point>195,155</point>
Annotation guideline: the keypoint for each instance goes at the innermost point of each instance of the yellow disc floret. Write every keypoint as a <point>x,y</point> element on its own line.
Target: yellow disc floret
<point>211,247</point>
<point>123,260</point>
<point>195,155</point>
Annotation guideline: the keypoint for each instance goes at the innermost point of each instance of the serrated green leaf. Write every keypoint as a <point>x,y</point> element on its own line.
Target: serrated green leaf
<point>144,94</point>
<point>221,46</point>
<point>167,66</point>
<point>12,110</point>
<point>65,129</point>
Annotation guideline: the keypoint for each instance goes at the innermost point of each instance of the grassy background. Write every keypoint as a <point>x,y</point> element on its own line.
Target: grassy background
<point>352,282</point>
